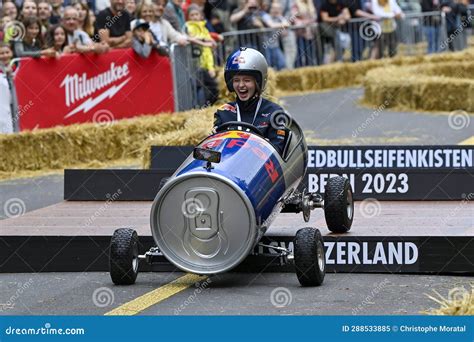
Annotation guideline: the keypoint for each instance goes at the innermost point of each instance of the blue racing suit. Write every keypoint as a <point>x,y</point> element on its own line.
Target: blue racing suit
<point>257,115</point>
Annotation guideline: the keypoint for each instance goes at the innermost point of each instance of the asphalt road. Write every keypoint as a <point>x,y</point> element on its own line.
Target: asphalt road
<point>227,294</point>
<point>335,117</point>
<point>31,193</point>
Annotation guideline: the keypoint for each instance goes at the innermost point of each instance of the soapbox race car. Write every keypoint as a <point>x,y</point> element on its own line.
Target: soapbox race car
<point>213,211</point>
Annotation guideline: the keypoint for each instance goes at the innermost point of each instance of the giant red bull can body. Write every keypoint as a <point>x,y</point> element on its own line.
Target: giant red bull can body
<point>208,217</point>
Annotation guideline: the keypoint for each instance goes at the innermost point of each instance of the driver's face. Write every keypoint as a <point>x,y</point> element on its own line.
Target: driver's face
<point>244,86</point>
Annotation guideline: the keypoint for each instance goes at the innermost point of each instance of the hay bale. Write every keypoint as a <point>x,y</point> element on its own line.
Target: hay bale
<point>460,302</point>
<point>62,147</point>
<point>331,76</point>
<point>439,85</point>
<point>289,80</point>
<point>196,128</point>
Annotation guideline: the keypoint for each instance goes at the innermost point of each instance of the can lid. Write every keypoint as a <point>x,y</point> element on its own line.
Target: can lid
<point>203,223</point>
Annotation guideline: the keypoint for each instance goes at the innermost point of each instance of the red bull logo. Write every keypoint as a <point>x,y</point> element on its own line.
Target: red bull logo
<point>255,145</point>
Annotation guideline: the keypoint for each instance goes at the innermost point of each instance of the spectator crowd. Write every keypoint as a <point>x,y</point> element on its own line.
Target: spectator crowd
<point>291,33</point>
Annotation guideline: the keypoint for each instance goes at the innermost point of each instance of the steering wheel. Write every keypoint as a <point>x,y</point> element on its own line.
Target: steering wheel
<point>245,125</point>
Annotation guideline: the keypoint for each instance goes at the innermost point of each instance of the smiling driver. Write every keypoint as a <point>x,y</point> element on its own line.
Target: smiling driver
<point>246,75</point>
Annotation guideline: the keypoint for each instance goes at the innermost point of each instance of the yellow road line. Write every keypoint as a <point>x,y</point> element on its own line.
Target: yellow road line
<point>468,141</point>
<point>154,297</point>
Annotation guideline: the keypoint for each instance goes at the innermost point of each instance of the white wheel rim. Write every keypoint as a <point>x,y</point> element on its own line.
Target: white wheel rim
<point>350,204</point>
<point>135,258</point>
<point>320,253</point>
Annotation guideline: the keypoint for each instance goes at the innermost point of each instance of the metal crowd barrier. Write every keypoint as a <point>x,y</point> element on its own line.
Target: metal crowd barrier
<point>359,39</point>
<point>185,75</point>
<point>283,47</point>
<point>298,46</point>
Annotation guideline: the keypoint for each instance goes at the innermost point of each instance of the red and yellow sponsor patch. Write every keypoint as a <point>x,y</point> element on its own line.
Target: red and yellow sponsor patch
<point>228,107</point>
<point>238,60</point>
<point>281,132</point>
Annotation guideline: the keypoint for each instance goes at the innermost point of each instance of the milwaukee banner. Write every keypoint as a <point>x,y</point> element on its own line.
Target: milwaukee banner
<point>92,88</point>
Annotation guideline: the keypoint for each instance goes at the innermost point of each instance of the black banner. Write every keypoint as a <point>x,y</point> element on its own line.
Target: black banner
<point>353,157</point>
<point>416,184</point>
<point>116,185</point>
<point>430,175</point>
<point>391,157</point>
<point>169,157</point>
<point>351,254</point>
<point>387,254</point>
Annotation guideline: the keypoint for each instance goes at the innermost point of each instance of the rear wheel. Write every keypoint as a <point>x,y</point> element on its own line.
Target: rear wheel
<point>310,262</point>
<point>338,204</point>
<point>123,259</point>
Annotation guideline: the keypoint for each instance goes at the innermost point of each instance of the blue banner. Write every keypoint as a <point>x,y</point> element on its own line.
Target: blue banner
<point>241,328</point>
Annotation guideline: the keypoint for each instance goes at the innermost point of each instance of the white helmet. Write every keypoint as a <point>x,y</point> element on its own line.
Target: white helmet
<point>246,61</point>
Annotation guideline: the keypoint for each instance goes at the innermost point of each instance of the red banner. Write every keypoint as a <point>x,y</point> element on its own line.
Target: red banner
<point>92,88</point>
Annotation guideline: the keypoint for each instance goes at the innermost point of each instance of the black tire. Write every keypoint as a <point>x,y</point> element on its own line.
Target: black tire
<point>338,204</point>
<point>123,259</point>
<point>310,260</point>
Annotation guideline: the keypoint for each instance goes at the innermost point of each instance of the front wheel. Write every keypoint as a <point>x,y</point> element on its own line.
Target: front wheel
<point>310,262</point>
<point>338,204</point>
<point>123,258</point>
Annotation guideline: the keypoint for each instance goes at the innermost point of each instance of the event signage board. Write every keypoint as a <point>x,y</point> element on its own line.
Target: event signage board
<point>80,88</point>
<point>380,172</point>
<point>350,253</point>
<point>354,157</point>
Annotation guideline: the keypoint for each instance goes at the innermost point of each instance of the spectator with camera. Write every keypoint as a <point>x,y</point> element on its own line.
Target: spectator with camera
<point>249,17</point>
<point>112,25</point>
